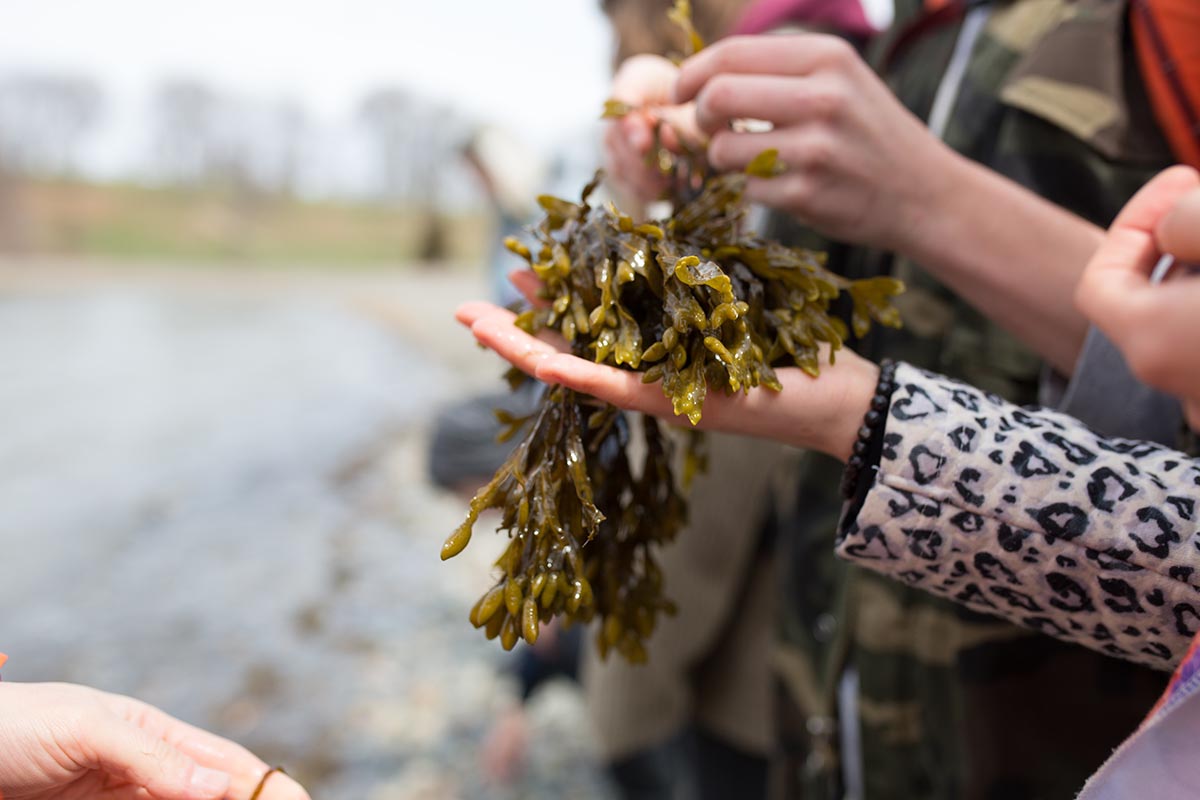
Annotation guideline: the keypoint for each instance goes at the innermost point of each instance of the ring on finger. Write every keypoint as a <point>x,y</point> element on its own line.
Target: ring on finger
<point>258,790</point>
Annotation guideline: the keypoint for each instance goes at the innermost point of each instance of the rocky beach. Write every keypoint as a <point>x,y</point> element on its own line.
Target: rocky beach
<point>213,496</point>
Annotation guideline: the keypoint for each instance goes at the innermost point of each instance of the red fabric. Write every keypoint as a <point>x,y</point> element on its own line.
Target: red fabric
<point>1166,35</point>
<point>840,16</point>
<point>937,13</point>
<point>1184,674</point>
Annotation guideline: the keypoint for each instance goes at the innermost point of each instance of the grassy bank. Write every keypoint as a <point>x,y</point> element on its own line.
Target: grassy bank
<point>135,222</point>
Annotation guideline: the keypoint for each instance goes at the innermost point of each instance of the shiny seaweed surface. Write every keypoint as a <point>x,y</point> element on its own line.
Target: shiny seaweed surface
<point>693,303</point>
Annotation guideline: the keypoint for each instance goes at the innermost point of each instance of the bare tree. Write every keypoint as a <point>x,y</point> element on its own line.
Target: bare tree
<point>44,120</point>
<point>416,141</point>
<point>186,112</point>
<point>288,144</point>
<point>389,116</point>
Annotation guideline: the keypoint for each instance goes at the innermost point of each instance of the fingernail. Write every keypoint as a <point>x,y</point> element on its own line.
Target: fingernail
<point>210,782</point>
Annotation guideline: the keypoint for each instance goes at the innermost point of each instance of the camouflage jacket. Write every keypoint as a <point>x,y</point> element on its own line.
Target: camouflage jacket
<point>887,692</point>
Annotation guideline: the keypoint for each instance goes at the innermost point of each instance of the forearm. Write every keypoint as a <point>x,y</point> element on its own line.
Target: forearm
<point>1028,515</point>
<point>1011,254</point>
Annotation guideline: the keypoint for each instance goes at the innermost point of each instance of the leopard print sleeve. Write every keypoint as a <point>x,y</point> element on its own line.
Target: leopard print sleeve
<point>1029,515</point>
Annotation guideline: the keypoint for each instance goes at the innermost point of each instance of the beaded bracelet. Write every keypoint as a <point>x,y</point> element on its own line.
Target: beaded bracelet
<point>872,425</point>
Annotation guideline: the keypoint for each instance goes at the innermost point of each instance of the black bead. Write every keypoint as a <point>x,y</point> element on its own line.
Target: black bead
<point>871,421</point>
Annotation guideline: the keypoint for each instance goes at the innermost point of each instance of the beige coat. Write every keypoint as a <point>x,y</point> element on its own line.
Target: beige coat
<point>711,662</point>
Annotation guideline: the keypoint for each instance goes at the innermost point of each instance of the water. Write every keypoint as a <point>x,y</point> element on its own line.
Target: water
<point>216,502</point>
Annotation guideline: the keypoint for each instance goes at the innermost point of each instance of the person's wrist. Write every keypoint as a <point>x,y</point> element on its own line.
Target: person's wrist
<point>821,414</point>
<point>836,434</point>
<point>928,204</point>
<point>868,442</point>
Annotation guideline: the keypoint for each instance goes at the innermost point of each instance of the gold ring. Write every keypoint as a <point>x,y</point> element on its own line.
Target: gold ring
<point>262,783</point>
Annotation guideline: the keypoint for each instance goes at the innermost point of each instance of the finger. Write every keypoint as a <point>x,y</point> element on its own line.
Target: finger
<point>644,80</point>
<point>207,749</point>
<point>1138,220</point>
<point>504,319</point>
<point>783,100</point>
<point>245,769</point>
<point>729,151</point>
<point>679,127</point>
<point>645,181</point>
<point>799,54</point>
<point>1108,289</point>
<point>511,343</point>
<point>1178,233</point>
<point>627,163</point>
<point>279,786</point>
<point>1129,251</point>
<point>136,756</point>
<point>622,388</point>
<point>1131,246</point>
<point>790,191</point>
<point>1152,202</point>
<point>635,132</point>
<point>530,286</point>
<point>470,312</point>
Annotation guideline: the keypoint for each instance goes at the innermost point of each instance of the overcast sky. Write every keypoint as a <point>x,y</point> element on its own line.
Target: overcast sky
<point>539,66</point>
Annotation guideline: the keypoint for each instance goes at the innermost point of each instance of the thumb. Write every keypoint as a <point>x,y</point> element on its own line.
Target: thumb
<point>644,80</point>
<point>1155,199</point>
<point>129,753</point>
<point>1178,232</point>
<point>1125,259</point>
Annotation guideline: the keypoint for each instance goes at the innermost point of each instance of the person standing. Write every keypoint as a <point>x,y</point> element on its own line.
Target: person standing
<point>885,691</point>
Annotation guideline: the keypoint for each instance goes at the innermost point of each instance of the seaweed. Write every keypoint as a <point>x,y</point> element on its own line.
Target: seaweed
<point>693,302</point>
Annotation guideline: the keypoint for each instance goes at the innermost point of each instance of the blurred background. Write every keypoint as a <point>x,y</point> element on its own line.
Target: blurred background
<point>232,235</point>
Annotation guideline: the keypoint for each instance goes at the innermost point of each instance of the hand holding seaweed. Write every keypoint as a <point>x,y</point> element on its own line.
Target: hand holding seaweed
<point>692,302</point>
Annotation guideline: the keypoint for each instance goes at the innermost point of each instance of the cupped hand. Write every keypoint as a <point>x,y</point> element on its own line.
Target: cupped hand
<point>645,83</point>
<point>1156,327</point>
<point>67,742</point>
<point>821,414</point>
<point>859,166</point>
